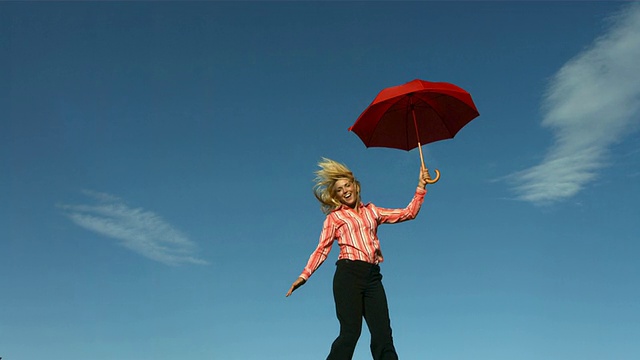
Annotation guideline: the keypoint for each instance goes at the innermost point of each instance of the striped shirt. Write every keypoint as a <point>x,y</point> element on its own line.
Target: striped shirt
<point>357,232</point>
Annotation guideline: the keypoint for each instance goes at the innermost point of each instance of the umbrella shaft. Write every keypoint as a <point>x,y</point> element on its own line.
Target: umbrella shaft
<point>415,123</point>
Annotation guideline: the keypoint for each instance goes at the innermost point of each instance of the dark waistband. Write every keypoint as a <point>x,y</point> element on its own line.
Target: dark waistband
<point>358,263</point>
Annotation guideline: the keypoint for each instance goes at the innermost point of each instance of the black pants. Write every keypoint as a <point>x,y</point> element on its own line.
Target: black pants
<point>358,293</point>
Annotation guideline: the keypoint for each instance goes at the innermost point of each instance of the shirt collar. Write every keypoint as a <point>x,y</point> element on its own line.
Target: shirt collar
<point>345,207</point>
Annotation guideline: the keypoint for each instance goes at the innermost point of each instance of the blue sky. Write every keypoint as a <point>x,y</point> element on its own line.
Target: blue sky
<point>157,158</point>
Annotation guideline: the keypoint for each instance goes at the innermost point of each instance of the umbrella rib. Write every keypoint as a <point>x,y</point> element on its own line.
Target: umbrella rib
<point>444,123</point>
<point>379,122</point>
<point>372,133</point>
<point>407,127</point>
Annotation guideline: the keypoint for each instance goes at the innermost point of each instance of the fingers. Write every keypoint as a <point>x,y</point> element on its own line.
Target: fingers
<point>425,177</point>
<point>425,172</point>
<point>292,289</point>
<point>296,284</point>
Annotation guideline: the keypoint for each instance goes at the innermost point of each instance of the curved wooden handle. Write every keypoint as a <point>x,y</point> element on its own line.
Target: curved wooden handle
<point>433,181</point>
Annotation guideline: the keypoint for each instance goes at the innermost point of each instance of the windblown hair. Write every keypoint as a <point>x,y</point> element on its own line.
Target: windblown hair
<point>324,189</point>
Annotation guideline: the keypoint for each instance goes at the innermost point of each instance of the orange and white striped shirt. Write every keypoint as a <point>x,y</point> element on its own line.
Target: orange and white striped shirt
<point>357,232</point>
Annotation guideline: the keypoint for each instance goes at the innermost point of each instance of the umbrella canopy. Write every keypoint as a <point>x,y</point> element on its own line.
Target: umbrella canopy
<point>441,110</point>
<point>418,112</point>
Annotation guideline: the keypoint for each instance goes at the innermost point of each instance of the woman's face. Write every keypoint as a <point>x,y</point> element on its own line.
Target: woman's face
<point>345,191</point>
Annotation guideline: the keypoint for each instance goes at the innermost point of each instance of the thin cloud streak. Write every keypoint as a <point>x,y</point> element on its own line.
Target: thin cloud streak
<point>138,230</point>
<point>592,102</point>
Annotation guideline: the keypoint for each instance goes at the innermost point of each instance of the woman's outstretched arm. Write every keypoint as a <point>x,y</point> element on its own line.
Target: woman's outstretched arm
<point>391,216</point>
<point>319,255</point>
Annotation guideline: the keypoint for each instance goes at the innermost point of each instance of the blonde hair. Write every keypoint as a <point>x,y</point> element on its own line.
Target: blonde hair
<point>330,172</point>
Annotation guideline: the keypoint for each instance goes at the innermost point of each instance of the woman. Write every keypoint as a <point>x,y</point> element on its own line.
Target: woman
<point>357,285</point>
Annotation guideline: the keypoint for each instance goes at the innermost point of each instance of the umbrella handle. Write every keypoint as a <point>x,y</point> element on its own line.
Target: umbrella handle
<point>433,181</point>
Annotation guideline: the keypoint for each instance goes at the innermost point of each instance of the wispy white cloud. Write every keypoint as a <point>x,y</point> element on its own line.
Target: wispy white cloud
<point>136,229</point>
<point>592,102</point>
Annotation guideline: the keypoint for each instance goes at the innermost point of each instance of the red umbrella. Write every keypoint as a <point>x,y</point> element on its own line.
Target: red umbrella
<point>418,112</point>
